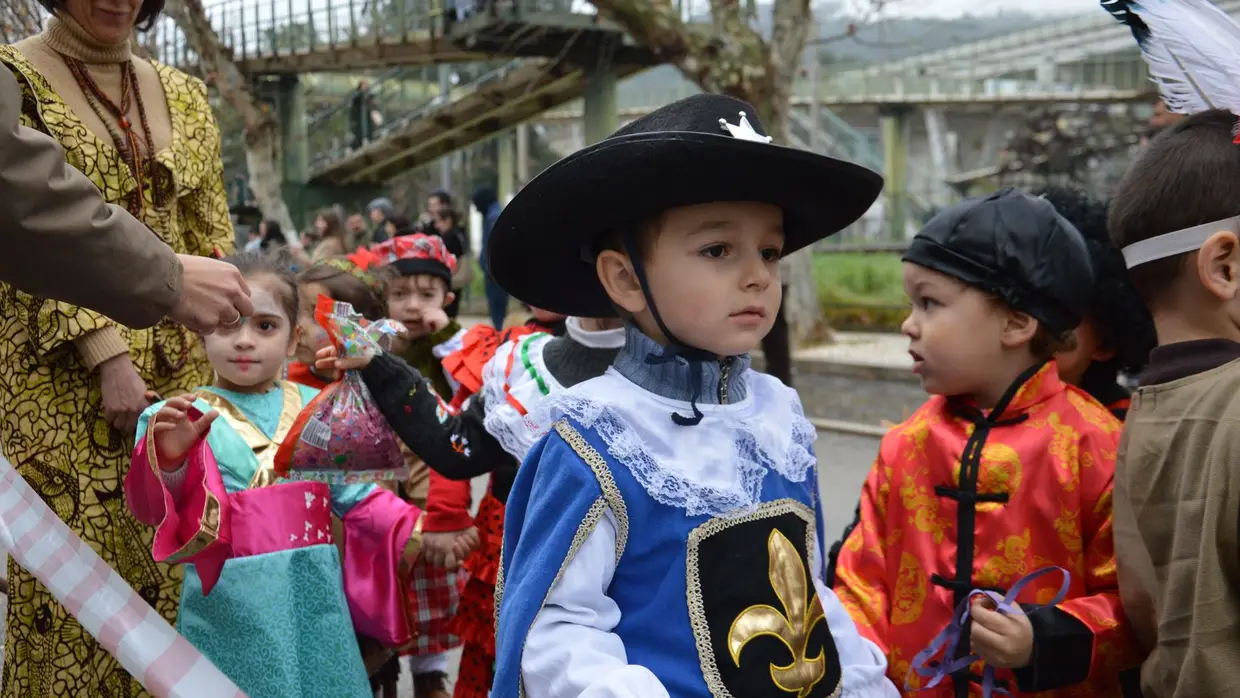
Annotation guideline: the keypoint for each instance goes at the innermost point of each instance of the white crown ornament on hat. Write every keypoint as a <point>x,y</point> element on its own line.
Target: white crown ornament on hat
<point>743,130</point>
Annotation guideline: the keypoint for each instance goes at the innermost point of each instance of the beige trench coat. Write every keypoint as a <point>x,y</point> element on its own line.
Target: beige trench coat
<point>58,239</point>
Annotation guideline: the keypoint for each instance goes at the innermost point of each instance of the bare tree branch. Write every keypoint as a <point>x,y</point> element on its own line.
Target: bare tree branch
<point>726,16</point>
<point>261,132</point>
<point>658,27</point>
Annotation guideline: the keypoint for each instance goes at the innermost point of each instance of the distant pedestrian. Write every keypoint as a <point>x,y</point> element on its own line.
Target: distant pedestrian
<point>487,203</point>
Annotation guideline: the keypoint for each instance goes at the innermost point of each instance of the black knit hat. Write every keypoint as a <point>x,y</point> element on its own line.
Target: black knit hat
<point>1117,311</point>
<point>702,149</point>
<point>1015,247</point>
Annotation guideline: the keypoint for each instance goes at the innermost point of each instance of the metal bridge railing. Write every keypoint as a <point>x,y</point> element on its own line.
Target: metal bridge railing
<point>1098,76</point>
<point>399,98</point>
<point>265,29</point>
<point>258,29</point>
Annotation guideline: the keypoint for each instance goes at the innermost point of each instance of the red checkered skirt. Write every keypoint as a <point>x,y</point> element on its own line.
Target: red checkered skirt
<point>434,597</point>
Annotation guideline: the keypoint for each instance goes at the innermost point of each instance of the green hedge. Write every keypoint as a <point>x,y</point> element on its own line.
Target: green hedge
<point>861,291</point>
<point>857,291</point>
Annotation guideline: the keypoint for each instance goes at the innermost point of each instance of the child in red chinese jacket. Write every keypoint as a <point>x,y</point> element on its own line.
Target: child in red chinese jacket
<point>1005,470</point>
<point>1116,333</point>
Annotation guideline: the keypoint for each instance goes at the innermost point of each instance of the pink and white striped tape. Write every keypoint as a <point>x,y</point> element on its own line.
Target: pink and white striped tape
<point>108,608</point>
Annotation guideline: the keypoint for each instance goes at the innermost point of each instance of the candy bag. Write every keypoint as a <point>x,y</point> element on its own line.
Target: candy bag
<point>341,437</point>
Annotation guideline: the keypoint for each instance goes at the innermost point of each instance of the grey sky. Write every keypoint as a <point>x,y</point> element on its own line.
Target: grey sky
<point>955,8</point>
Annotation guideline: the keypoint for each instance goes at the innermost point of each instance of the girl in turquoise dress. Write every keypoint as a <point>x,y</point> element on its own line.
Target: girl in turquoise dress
<point>266,595</point>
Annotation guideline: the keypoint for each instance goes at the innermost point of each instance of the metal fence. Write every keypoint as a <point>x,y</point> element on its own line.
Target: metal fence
<point>263,29</point>
<point>392,102</point>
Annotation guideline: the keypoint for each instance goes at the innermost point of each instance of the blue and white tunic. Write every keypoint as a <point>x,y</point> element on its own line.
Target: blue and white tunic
<point>642,558</point>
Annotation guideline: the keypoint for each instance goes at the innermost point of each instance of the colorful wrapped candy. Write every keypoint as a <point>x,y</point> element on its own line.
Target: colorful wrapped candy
<point>340,437</point>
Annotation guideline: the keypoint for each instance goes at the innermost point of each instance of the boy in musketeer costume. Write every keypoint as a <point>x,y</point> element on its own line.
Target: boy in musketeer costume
<point>1176,215</point>
<point>1006,469</point>
<point>663,538</point>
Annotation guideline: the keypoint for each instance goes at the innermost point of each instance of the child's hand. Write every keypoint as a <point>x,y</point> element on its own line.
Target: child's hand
<point>175,431</point>
<point>328,362</point>
<point>465,543</point>
<point>438,550</point>
<point>1001,640</point>
<point>435,319</point>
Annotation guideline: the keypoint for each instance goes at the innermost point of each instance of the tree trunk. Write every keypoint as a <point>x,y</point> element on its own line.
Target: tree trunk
<point>262,142</point>
<point>734,59</point>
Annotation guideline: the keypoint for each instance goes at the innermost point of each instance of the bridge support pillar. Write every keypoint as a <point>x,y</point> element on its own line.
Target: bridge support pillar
<point>506,165</point>
<point>894,123</point>
<point>294,146</point>
<point>445,88</point>
<point>523,154</point>
<point>600,111</point>
<point>938,135</point>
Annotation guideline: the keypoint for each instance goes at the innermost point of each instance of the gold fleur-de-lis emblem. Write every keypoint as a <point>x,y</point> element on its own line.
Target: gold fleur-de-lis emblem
<point>792,626</point>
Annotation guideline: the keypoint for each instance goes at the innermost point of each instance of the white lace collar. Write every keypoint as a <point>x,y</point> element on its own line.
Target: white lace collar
<point>713,468</point>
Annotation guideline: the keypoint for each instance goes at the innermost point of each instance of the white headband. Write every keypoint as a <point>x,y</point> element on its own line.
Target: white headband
<point>1176,243</point>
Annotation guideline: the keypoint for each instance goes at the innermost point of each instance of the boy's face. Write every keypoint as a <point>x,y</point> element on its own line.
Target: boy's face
<point>251,353</point>
<point>312,337</point>
<point>410,297</point>
<point>956,336</point>
<point>713,271</point>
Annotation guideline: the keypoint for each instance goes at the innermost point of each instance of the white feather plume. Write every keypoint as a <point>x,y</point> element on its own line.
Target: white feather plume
<point>1193,53</point>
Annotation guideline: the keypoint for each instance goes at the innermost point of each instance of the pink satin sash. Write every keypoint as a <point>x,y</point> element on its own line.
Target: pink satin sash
<point>206,525</point>
<point>287,516</point>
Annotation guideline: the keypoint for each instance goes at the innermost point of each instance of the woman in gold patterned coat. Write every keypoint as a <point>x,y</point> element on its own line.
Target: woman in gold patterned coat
<point>73,382</point>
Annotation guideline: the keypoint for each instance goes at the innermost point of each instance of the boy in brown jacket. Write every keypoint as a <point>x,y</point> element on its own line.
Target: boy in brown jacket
<point>1176,216</point>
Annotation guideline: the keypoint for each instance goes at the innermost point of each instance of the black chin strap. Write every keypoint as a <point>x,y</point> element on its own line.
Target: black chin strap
<point>675,349</point>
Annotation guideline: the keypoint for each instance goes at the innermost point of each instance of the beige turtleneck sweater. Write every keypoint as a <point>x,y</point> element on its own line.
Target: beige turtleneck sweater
<point>64,36</point>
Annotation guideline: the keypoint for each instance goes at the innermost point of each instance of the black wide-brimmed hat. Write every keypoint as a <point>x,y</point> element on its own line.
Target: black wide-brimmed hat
<point>702,149</point>
<point>1016,247</point>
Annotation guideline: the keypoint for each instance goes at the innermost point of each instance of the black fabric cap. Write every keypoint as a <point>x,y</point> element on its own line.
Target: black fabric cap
<point>410,267</point>
<point>1015,247</point>
<point>678,155</point>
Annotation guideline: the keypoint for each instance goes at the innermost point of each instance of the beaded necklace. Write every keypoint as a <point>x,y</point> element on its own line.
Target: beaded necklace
<point>126,139</point>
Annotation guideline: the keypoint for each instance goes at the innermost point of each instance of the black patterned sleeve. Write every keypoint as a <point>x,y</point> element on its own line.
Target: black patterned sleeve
<point>455,445</point>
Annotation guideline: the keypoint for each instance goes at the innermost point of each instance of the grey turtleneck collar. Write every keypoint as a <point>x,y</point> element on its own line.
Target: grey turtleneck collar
<point>580,355</point>
<point>723,380</point>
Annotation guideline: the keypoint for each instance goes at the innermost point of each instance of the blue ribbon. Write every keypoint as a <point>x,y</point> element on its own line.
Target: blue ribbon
<point>949,637</point>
